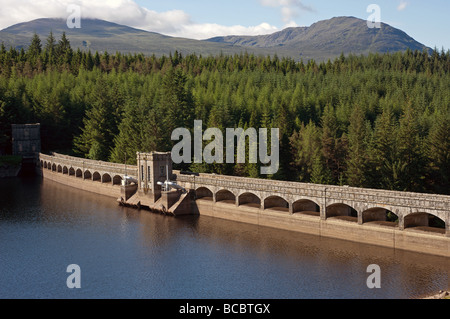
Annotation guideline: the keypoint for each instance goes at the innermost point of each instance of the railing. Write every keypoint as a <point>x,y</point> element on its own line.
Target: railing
<point>87,164</point>
<point>374,196</point>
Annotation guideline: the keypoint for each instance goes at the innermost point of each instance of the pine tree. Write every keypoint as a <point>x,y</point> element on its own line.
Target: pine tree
<point>35,48</point>
<point>97,138</point>
<point>357,158</point>
<point>329,141</point>
<point>305,147</point>
<point>409,152</point>
<point>177,101</point>
<point>438,151</point>
<point>384,162</point>
<point>320,173</point>
<point>64,51</point>
<point>50,48</point>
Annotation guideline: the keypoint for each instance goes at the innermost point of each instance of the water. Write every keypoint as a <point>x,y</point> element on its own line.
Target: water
<point>125,253</point>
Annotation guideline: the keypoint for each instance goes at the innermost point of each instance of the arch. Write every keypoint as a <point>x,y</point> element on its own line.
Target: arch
<point>65,170</point>
<point>79,173</point>
<point>54,168</point>
<point>424,222</point>
<point>106,178</point>
<point>381,216</point>
<point>96,177</point>
<point>87,175</point>
<point>59,169</point>
<point>342,211</point>
<point>45,164</point>
<point>42,163</point>
<point>249,199</point>
<point>276,203</point>
<point>306,206</point>
<point>117,180</point>
<point>225,196</point>
<point>71,171</point>
<point>204,193</point>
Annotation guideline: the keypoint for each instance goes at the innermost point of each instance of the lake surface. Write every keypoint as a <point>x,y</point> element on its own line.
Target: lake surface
<point>126,253</point>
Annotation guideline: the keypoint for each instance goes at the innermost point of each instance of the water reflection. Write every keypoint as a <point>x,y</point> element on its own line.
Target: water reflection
<point>125,253</point>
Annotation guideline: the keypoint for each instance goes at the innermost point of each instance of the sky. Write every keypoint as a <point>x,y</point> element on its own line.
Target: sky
<point>425,21</point>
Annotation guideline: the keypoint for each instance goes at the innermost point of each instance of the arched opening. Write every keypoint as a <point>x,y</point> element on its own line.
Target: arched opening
<point>117,180</point>
<point>425,222</point>
<point>225,196</point>
<point>65,170</point>
<point>45,165</point>
<point>54,168</point>
<point>204,194</point>
<point>307,207</point>
<point>79,173</point>
<point>343,212</point>
<point>87,175</point>
<point>380,216</point>
<point>250,200</point>
<point>276,203</point>
<point>42,163</point>
<point>71,171</point>
<point>96,177</point>
<point>106,178</point>
<point>60,169</point>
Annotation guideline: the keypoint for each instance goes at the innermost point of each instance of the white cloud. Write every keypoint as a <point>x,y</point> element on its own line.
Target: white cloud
<point>402,6</point>
<point>290,9</point>
<point>127,12</point>
<point>209,30</point>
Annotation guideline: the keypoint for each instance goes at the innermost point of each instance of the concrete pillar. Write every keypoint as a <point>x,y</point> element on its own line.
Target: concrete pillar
<point>360,217</point>
<point>291,208</point>
<point>323,212</point>
<point>401,222</point>
<point>447,226</point>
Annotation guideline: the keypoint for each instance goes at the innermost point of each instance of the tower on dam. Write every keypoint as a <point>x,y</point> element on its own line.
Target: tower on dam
<point>26,140</point>
<point>153,168</point>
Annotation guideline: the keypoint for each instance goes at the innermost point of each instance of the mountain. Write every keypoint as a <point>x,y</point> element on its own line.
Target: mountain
<point>100,35</point>
<point>322,40</point>
<point>330,38</point>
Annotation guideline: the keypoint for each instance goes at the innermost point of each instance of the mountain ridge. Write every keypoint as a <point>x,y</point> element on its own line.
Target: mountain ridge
<point>338,35</point>
<point>322,40</point>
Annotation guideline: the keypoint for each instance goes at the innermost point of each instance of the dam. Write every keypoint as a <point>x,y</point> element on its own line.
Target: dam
<point>399,220</point>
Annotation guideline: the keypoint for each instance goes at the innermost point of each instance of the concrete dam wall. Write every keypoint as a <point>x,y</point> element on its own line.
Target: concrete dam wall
<point>399,220</point>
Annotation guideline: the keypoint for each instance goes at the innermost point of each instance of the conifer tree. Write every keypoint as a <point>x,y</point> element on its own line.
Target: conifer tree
<point>357,157</point>
<point>438,151</point>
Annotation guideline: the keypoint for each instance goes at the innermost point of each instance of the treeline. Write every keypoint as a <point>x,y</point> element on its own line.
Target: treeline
<point>380,121</point>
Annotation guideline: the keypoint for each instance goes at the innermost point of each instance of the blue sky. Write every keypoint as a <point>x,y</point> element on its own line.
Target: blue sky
<point>426,21</point>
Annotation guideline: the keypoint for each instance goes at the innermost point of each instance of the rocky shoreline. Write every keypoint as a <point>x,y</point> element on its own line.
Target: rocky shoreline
<point>441,295</point>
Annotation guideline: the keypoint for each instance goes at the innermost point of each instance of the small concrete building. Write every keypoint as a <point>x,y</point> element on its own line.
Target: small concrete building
<point>26,140</point>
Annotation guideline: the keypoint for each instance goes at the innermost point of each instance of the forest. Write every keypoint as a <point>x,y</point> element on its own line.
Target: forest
<point>377,121</point>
